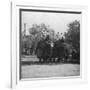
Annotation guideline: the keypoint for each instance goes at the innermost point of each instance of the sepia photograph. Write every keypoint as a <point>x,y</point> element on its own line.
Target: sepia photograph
<point>49,43</point>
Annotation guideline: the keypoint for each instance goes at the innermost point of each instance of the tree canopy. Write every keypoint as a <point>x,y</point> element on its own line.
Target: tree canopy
<point>72,35</point>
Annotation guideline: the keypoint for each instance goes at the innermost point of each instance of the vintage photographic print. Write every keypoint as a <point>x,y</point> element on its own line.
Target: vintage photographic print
<point>49,43</point>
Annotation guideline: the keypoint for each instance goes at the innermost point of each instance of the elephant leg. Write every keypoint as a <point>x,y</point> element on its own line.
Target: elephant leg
<point>58,60</point>
<point>49,60</point>
<point>44,60</point>
<point>54,60</point>
<point>40,60</point>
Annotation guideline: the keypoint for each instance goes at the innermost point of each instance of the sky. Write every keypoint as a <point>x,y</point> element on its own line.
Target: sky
<point>57,21</point>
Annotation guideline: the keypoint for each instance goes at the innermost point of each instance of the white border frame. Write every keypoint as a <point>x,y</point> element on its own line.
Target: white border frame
<point>15,82</point>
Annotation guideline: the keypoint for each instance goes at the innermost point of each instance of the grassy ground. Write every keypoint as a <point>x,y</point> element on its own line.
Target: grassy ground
<point>38,71</point>
<point>47,70</point>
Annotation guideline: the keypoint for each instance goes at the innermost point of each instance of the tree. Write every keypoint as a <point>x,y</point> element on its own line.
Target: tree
<point>39,32</point>
<point>72,36</point>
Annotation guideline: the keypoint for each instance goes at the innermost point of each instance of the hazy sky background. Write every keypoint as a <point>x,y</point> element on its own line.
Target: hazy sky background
<point>56,21</point>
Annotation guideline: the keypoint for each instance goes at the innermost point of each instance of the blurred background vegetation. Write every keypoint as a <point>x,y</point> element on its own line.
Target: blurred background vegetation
<point>40,32</point>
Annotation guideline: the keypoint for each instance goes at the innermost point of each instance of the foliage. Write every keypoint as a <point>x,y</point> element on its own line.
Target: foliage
<point>36,33</point>
<point>72,36</point>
